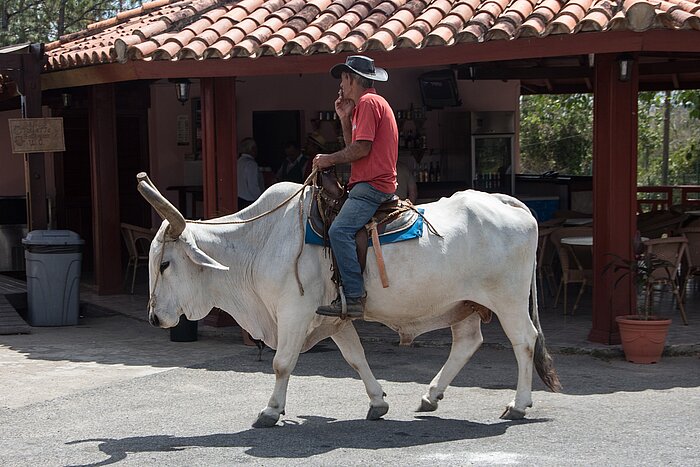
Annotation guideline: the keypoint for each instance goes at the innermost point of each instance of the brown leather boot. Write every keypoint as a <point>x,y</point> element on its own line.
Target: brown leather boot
<point>355,308</point>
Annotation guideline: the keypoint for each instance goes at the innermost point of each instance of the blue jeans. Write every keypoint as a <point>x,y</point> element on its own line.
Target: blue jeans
<point>362,204</point>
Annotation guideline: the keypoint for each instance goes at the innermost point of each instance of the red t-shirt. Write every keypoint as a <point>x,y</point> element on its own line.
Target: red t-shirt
<point>373,120</point>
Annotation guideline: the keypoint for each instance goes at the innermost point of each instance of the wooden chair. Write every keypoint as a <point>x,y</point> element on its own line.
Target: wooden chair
<point>654,224</point>
<point>138,242</point>
<point>575,268</point>
<point>672,250</point>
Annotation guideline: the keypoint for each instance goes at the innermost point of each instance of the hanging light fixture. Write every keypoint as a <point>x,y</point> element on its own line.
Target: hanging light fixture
<point>66,100</point>
<point>625,63</point>
<point>182,89</point>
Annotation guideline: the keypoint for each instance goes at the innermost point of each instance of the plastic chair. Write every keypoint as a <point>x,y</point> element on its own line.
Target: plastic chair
<point>576,268</point>
<point>138,242</point>
<point>672,250</point>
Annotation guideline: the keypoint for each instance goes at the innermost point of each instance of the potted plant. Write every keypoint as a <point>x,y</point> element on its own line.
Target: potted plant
<point>643,334</point>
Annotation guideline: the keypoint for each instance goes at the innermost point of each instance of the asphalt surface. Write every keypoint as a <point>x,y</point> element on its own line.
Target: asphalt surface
<point>113,390</point>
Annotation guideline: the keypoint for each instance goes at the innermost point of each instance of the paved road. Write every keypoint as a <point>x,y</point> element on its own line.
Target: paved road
<point>114,390</point>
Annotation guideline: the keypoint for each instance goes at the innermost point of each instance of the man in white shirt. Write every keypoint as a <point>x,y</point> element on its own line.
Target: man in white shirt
<point>249,185</point>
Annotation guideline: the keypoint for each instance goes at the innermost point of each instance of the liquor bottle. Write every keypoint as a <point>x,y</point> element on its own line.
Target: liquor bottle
<point>431,173</point>
<point>425,173</point>
<point>409,139</point>
<point>438,177</point>
<point>402,140</point>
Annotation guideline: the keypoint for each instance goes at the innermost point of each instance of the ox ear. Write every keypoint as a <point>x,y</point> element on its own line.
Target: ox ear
<point>198,256</point>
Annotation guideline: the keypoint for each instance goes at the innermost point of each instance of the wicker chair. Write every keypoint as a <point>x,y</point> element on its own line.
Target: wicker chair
<point>672,250</point>
<point>138,242</point>
<point>576,268</point>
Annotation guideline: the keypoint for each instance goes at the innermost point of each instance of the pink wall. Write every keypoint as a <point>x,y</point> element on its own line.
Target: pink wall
<point>312,93</point>
<point>308,93</point>
<point>168,159</point>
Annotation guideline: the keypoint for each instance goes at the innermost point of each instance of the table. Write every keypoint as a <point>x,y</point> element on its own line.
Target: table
<point>578,241</point>
<point>578,221</point>
<point>586,240</point>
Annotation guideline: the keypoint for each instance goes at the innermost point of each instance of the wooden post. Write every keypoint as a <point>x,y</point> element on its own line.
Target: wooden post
<point>105,189</point>
<point>220,158</point>
<point>34,171</point>
<point>614,192</point>
<point>219,142</point>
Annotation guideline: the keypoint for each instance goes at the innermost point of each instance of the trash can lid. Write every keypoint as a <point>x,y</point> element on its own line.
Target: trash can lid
<point>52,237</point>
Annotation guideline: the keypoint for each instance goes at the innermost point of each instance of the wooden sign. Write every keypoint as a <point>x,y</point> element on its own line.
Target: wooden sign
<point>37,135</point>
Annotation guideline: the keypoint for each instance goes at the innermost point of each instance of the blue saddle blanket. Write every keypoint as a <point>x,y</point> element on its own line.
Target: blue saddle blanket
<point>414,230</point>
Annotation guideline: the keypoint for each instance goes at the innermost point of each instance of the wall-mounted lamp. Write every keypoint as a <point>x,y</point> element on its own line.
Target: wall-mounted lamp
<point>66,100</point>
<point>625,63</point>
<point>182,89</point>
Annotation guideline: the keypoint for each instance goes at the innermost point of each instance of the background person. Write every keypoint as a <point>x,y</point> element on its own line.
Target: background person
<point>296,165</point>
<point>249,177</point>
<point>406,183</point>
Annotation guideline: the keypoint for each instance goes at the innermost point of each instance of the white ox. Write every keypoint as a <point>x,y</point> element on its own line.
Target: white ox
<point>486,255</point>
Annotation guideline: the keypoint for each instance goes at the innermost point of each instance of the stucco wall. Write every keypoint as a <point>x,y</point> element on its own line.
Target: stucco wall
<point>312,93</point>
<point>167,159</point>
<point>308,93</point>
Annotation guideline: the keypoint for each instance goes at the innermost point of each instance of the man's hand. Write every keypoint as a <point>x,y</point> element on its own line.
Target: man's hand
<point>322,161</point>
<point>343,107</point>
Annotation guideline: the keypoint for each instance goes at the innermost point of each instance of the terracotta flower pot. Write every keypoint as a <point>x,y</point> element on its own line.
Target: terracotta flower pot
<point>643,340</point>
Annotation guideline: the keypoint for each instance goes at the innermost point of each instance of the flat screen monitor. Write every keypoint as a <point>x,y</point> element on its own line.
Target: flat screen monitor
<point>439,89</point>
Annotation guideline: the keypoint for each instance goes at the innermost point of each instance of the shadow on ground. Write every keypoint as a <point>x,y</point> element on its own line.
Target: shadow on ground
<point>320,435</point>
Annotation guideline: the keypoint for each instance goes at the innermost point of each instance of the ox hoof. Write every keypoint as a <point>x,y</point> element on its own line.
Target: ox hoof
<point>427,406</point>
<point>377,411</point>
<point>265,420</point>
<point>511,413</point>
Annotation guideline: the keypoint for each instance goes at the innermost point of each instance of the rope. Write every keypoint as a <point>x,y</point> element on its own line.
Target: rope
<point>308,182</point>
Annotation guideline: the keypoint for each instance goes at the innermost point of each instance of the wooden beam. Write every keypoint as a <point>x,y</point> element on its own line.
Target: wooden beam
<point>614,193</point>
<point>105,188</point>
<point>34,169</point>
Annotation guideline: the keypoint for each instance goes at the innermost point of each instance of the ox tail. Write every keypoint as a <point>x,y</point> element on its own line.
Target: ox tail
<point>543,361</point>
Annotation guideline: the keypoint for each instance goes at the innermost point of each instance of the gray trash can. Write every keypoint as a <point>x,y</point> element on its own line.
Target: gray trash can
<point>53,259</point>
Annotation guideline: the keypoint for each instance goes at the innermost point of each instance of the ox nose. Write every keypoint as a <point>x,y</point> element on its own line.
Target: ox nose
<point>153,319</point>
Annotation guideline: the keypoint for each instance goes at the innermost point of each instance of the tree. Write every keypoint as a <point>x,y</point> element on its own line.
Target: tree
<point>556,133</point>
<point>47,20</point>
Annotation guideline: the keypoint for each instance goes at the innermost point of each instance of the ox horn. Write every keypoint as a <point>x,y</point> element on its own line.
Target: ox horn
<point>164,208</point>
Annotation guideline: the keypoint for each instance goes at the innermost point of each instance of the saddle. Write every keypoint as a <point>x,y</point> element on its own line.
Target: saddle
<point>329,195</point>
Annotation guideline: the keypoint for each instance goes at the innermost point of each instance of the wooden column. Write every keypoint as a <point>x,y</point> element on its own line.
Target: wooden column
<point>34,171</point>
<point>614,192</point>
<point>105,189</point>
<point>219,143</point>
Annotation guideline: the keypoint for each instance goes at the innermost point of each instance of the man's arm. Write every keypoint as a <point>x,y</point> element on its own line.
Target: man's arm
<point>350,153</point>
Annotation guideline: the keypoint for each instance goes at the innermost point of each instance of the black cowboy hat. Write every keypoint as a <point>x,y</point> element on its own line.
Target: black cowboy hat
<point>361,65</point>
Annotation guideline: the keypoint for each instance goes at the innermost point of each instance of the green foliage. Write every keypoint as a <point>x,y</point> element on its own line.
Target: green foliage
<point>556,134</point>
<point>46,20</point>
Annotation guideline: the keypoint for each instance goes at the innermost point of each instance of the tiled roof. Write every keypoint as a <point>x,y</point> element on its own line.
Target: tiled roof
<point>211,29</point>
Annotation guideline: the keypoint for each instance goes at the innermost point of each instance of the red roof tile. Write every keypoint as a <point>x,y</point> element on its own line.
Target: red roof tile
<point>208,29</point>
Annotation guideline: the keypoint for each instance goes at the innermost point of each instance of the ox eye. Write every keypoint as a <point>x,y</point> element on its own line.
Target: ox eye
<point>164,265</point>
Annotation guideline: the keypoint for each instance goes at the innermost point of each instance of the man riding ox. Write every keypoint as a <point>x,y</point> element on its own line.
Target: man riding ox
<point>372,142</point>
<point>252,265</point>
